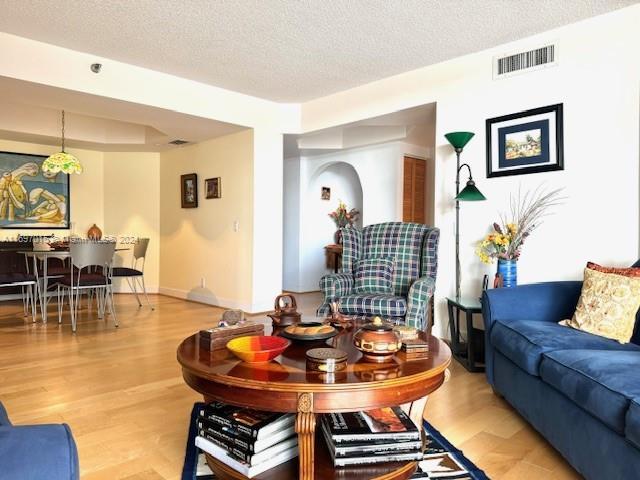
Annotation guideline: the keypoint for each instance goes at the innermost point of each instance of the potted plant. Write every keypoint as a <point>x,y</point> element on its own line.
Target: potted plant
<point>504,243</point>
<point>343,217</point>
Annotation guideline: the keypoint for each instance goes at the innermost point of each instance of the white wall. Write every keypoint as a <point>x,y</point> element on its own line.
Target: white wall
<point>379,169</point>
<point>598,80</point>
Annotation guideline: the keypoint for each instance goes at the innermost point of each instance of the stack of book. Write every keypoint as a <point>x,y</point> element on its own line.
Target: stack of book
<point>372,436</point>
<point>415,348</point>
<point>249,441</point>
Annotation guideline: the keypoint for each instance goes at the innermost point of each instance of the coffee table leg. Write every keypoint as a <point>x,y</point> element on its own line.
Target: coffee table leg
<point>306,428</point>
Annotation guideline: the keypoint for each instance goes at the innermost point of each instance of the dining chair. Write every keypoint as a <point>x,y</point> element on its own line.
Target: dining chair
<point>28,285</point>
<point>135,274</point>
<point>90,270</point>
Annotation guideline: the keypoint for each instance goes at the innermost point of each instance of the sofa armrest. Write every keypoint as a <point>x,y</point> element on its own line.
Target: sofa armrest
<point>418,298</point>
<point>35,452</point>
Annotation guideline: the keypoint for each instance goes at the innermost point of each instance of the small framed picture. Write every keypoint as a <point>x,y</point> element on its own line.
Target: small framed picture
<point>525,142</point>
<point>189,190</point>
<point>325,194</point>
<point>213,187</point>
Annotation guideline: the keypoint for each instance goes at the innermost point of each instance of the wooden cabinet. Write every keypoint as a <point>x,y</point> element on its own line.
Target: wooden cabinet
<point>414,185</point>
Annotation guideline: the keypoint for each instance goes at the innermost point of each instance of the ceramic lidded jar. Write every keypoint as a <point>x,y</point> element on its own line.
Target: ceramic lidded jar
<point>377,341</point>
<point>94,233</point>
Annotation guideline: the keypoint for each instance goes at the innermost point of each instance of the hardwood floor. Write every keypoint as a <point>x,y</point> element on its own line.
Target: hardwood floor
<point>122,393</point>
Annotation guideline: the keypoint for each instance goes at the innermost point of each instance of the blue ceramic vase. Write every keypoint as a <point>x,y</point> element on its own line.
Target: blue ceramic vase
<point>508,270</point>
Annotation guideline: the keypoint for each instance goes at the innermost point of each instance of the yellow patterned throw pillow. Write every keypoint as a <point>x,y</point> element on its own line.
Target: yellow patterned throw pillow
<point>607,306</point>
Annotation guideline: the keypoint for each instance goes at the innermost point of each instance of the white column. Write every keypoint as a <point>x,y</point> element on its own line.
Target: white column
<point>267,218</point>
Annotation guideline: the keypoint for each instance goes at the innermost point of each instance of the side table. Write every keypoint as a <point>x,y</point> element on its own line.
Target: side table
<point>465,352</point>
<point>334,256</point>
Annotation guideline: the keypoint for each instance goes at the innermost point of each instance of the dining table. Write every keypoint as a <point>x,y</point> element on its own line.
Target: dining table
<point>43,277</point>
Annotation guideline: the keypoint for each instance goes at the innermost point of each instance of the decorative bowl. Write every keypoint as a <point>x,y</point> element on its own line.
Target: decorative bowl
<point>258,348</point>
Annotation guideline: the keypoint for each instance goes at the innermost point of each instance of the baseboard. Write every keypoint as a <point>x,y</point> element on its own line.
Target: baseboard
<point>205,298</point>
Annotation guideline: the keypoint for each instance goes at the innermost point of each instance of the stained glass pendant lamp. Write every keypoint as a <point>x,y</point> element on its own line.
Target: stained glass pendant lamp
<point>62,161</point>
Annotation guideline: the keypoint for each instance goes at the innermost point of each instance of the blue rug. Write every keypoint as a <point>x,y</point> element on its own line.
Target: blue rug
<point>441,459</point>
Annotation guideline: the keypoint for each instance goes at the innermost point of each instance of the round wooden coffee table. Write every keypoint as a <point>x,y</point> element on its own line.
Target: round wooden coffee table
<point>285,385</point>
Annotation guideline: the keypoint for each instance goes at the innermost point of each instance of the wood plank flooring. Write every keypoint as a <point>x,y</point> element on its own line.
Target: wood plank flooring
<point>122,393</point>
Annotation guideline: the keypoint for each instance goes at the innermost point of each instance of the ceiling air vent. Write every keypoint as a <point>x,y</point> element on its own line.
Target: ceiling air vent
<point>178,142</point>
<point>522,62</point>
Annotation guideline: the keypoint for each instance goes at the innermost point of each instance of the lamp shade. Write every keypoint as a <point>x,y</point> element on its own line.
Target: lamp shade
<point>459,139</point>
<point>62,162</point>
<point>470,193</point>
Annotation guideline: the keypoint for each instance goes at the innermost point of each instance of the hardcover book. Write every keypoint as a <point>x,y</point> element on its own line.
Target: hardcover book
<point>252,423</point>
<point>250,458</point>
<point>369,448</point>
<point>389,423</point>
<point>243,468</point>
<point>234,437</point>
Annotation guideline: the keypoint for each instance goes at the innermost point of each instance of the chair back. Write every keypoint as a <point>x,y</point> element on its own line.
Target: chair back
<point>140,248</point>
<point>92,253</point>
<point>413,247</point>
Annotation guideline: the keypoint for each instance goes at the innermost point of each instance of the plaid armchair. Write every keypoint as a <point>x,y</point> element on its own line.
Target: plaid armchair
<point>414,249</point>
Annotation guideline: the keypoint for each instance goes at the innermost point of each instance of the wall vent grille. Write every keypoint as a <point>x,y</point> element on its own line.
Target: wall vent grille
<point>521,62</point>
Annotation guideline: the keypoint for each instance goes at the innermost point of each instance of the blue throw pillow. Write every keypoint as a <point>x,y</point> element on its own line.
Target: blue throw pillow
<point>374,276</point>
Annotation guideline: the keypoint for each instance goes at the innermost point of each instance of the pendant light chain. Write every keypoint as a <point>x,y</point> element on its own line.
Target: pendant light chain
<point>62,131</point>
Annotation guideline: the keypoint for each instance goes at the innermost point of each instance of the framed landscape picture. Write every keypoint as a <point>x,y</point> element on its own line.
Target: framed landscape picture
<point>189,190</point>
<point>525,142</point>
<point>213,187</point>
<point>29,197</point>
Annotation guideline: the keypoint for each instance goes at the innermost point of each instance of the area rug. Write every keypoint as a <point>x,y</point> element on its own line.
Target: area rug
<point>441,460</point>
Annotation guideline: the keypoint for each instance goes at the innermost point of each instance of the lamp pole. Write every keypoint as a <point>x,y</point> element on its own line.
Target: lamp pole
<point>458,151</point>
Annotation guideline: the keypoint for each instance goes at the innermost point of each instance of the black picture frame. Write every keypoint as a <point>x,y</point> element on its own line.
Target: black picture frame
<point>189,190</point>
<point>213,188</point>
<point>544,153</point>
<point>39,159</point>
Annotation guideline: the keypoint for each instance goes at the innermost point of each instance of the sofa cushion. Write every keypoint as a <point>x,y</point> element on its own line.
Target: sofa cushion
<point>524,341</point>
<point>384,305</point>
<point>374,276</point>
<point>598,381</point>
<point>607,306</point>
<point>632,423</point>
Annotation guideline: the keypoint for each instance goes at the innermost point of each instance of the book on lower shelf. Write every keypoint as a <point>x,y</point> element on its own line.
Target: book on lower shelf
<point>248,441</point>
<point>369,437</point>
<point>241,467</point>
<point>389,423</point>
<point>252,423</point>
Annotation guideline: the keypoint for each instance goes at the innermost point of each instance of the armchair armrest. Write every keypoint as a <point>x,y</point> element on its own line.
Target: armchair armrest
<point>334,286</point>
<point>418,298</point>
<point>546,302</point>
<point>38,451</point>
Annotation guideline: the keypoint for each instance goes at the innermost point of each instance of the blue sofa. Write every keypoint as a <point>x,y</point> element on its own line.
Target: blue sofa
<point>580,391</point>
<point>36,452</point>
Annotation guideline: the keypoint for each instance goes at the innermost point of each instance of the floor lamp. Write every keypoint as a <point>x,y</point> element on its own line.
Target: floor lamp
<point>470,193</point>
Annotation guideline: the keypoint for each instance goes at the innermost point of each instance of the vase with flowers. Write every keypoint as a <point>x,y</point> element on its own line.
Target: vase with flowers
<point>343,218</point>
<point>504,243</point>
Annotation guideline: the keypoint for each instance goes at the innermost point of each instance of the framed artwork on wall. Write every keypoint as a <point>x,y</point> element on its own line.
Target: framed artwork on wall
<point>213,187</point>
<point>29,197</point>
<point>189,190</point>
<point>325,194</point>
<point>525,142</point>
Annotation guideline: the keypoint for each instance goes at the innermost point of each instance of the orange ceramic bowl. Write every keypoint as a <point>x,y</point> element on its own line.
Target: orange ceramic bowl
<point>258,349</point>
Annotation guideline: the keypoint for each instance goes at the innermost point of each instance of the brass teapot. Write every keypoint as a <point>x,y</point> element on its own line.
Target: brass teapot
<point>286,311</point>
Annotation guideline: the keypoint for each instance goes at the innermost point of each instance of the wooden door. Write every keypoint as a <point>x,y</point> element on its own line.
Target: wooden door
<point>413,196</point>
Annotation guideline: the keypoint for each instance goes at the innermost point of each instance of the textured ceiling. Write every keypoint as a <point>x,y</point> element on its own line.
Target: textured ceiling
<point>288,50</point>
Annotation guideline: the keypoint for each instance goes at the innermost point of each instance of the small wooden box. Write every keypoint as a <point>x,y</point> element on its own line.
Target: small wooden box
<point>217,338</point>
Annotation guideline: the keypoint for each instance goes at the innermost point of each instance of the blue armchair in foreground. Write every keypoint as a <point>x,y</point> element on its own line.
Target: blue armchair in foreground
<point>36,452</point>
<point>411,249</point>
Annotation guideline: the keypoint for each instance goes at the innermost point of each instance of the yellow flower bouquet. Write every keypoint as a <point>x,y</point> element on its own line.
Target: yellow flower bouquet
<point>507,237</point>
